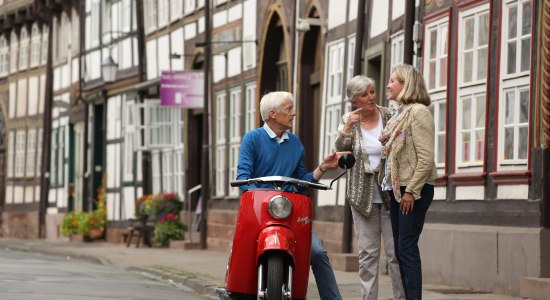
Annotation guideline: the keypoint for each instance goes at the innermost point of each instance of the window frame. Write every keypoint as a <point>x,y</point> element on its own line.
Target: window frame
<point>221,143</point>
<point>441,28</point>
<point>4,57</point>
<point>250,107</point>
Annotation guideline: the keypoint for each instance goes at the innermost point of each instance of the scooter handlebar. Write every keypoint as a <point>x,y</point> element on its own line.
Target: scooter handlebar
<point>279,182</point>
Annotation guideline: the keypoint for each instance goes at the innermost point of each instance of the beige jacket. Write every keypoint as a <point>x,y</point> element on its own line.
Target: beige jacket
<point>416,159</point>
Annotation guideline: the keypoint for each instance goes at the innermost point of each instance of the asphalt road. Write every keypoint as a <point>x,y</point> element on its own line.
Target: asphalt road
<point>39,276</point>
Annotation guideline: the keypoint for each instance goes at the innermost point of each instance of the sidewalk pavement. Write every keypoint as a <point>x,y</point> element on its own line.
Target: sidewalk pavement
<point>204,270</point>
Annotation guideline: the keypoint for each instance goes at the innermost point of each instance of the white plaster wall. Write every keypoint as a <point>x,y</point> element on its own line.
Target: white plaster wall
<point>235,13</point>
<point>33,95</point>
<point>234,61</point>
<point>177,46</point>
<point>29,194</point>
<point>520,191</point>
<point>440,193</point>
<point>190,30</point>
<point>470,193</point>
<point>218,67</point>
<point>379,20</point>
<point>9,194</point>
<point>352,10</point>
<point>398,9</point>
<point>151,59</point>
<point>219,18</point>
<point>337,15</point>
<point>163,53</point>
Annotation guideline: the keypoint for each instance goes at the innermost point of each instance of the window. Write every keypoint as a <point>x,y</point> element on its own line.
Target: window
<point>36,40</point>
<point>513,134</point>
<point>351,57</point>
<point>11,154</point>
<point>474,44</point>
<point>39,146</point>
<point>439,112</point>
<point>282,72</point>
<point>159,124</point>
<point>53,158</point>
<point>14,45</point>
<point>471,133</point>
<point>167,171</point>
<point>4,56</point>
<point>21,141</point>
<point>234,135</point>
<point>436,60</point>
<point>515,125</point>
<point>517,36</point>
<point>472,74</point>
<point>250,107</point>
<point>220,143</point>
<point>397,49</point>
<point>93,10</point>
<point>44,53</point>
<point>24,50</point>
<point>334,94</point>
<point>31,153</point>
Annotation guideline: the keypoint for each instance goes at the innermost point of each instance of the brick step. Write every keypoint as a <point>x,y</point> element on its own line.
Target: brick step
<point>228,217</point>
<point>219,244</point>
<point>534,288</point>
<point>221,231</point>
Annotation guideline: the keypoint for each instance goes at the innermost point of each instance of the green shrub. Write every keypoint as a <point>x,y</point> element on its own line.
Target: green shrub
<point>168,229</point>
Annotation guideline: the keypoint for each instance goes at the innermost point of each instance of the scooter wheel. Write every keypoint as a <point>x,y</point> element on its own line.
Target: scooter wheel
<point>275,278</point>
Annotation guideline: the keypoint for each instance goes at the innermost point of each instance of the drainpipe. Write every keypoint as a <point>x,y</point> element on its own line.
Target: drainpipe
<point>408,44</point>
<point>46,136</point>
<point>205,178</point>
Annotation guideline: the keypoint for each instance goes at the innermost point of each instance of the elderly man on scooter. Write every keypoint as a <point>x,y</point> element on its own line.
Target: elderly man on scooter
<point>273,150</point>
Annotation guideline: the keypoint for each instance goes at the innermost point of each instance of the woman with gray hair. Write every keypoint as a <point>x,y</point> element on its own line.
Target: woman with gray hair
<point>358,132</point>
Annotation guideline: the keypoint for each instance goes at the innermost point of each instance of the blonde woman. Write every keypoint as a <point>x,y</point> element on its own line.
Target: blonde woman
<point>409,170</point>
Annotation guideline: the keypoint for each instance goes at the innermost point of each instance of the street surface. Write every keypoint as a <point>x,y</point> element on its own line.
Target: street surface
<point>39,276</point>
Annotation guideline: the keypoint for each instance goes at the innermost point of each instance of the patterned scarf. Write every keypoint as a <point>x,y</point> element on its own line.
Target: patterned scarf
<point>392,138</point>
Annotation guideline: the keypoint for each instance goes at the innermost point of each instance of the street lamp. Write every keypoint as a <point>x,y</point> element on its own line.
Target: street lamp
<point>109,67</point>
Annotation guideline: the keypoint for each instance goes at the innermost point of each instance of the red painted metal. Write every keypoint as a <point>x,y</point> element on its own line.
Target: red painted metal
<point>258,234</point>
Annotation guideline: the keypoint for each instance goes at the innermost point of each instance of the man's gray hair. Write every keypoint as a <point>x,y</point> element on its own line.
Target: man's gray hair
<point>272,101</point>
<point>358,85</point>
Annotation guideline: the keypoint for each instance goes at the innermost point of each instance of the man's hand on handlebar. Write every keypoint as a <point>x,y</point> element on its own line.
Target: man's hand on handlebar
<point>329,162</point>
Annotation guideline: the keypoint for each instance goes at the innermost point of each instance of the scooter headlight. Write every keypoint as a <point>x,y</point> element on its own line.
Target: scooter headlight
<point>279,207</point>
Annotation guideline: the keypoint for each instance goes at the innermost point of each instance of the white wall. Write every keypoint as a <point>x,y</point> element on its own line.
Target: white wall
<point>379,20</point>
<point>337,15</point>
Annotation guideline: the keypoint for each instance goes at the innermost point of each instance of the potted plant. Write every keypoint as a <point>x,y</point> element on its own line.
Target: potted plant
<point>168,229</point>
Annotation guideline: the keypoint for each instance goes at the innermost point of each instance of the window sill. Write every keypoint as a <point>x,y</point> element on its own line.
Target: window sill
<point>511,177</point>
<point>463,179</point>
<point>441,180</point>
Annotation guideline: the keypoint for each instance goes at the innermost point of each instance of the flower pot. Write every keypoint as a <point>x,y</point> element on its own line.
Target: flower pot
<point>95,233</point>
<point>76,237</point>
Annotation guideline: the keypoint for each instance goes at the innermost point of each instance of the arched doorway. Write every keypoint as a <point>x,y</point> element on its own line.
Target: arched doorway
<point>309,90</point>
<point>274,64</point>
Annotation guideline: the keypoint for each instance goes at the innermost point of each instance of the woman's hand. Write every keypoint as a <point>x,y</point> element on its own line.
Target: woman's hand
<point>353,118</point>
<point>407,203</point>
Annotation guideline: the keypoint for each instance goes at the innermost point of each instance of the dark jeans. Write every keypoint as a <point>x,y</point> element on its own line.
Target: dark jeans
<point>406,232</point>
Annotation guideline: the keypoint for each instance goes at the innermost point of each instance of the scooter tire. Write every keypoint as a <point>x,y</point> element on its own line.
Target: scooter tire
<point>275,277</point>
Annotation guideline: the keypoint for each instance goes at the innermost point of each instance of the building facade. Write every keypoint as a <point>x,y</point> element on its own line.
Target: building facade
<point>484,62</point>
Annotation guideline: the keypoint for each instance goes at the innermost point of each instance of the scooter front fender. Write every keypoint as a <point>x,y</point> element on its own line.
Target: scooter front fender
<point>276,238</point>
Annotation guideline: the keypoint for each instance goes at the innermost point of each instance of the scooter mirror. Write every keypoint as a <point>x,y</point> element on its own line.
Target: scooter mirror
<point>346,161</point>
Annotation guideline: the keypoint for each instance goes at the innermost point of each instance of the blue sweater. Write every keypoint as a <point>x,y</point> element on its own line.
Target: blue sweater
<point>261,156</point>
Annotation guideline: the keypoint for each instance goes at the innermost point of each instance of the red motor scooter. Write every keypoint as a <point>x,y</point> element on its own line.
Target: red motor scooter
<point>271,251</point>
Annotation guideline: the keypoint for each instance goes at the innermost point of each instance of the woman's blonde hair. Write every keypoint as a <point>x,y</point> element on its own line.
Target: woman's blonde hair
<point>414,89</point>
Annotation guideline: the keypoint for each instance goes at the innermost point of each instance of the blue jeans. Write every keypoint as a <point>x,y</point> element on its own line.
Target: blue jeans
<point>406,232</point>
<point>322,270</point>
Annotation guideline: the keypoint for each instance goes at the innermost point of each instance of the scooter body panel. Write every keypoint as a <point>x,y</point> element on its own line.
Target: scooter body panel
<point>258,233</point>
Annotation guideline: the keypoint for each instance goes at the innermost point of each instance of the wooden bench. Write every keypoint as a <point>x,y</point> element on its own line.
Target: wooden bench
<point>139,230</point>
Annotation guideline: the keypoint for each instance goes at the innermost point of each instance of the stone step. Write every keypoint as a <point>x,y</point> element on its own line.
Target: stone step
<point>185,245</point>
<point>346,262</point>
<point>534,288</point>
<point>219,216</point>
<point>216,244</point>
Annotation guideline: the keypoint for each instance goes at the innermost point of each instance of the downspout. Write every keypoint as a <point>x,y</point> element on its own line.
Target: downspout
<point>205,178</point>
<point>46,134</point>
<point>86,183</point>
<point>357,60</point>
<point>408,44</point>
